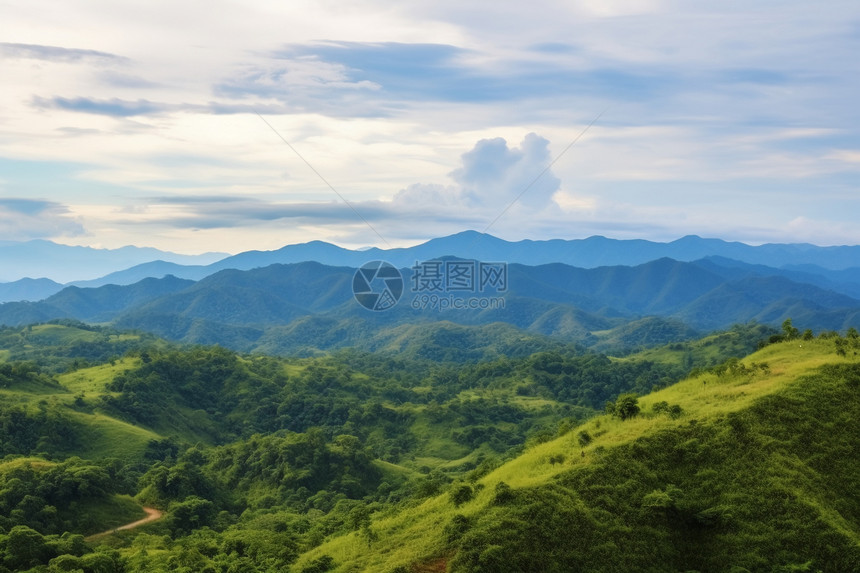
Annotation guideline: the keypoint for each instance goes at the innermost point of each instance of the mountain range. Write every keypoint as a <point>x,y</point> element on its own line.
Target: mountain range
<point>65,263</point>
<point>83,266</point>
<point>309,307</point>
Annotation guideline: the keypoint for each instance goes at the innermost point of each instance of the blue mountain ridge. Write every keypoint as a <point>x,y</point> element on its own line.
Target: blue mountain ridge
<point>245,309</point>
<point>840,265</point>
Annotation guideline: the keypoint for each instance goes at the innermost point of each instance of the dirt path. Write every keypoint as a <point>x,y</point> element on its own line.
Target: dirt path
<point>151,515</point>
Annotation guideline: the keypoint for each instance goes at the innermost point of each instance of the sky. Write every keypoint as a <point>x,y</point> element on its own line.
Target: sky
<point>221,125</point>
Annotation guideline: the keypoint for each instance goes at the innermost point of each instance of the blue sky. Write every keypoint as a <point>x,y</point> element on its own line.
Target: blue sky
<point>126,123</point>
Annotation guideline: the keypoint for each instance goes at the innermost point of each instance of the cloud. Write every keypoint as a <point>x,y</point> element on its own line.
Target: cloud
<point>709,112</point>
<point>300,85</point>
<point>491,177</point>
<point>211,212</point>
<point>27,207</point>
<point>493,172</point>
<point>56,53</point>
<point>447,73</point>
<point>120,108</point>
<point>25,219</point>
<point>846,155</point>
<point>114,107</point>
<point>122,80</point>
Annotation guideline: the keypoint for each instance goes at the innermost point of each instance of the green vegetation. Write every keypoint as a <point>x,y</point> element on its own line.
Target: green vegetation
<point>365,462</point>
<point>756,472</point>
<point>62,345</point>
<point>74,495</point>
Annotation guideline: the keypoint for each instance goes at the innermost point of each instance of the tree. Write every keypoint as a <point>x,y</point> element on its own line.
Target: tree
<point>626,406</point>
<point>26,548</point>
<point>789,331</point>
<point>456,528</point>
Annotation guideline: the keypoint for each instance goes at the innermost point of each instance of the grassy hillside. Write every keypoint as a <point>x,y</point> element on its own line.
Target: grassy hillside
<point>401,463</point>
<point>61,416</point>
<point>61,345</point>
<point>759,472</point>
<point>709,350</point>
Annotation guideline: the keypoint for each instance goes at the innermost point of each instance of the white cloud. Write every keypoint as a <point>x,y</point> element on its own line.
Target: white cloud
<point>730,107</point>
<point>845,155</point>
<point>491,177</point>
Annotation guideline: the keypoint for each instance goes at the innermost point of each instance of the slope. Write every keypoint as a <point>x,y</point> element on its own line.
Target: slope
<point>757,473</point>
<point>62,417</point>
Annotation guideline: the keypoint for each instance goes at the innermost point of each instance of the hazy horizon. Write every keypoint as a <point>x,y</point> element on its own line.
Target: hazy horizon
<point>406,245</point>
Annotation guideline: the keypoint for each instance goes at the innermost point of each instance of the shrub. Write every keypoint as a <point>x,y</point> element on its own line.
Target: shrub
<point>503,494</point>
<point>626,406</point>
<point>584,438</point>
<point>461,494</point>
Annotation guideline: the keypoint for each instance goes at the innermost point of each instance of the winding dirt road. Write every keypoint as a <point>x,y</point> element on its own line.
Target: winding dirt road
<point>151,515</point>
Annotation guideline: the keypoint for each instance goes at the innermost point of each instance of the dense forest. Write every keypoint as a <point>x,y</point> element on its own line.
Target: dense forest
<point>267,464</point>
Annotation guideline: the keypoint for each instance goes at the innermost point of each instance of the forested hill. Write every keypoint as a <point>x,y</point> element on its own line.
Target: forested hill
<point>749,467</point>
<point>307,308</point>
<point>362,462</point>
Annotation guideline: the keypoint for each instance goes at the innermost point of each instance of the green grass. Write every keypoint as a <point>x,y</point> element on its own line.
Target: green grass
<point>55,335</point>
<point>413,536</point>
<point>99,435</point>
<point>18,463</point>
<point>105,437</point>
<point>105,514</point>
<point>707,351</point>
<point>93,380</point>
<point>394,473</point>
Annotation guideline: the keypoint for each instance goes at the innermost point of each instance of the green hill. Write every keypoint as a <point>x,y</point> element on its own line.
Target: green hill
<point>759,472</point>
<point>308,308</point>
<point>406,462</point>
<point>63,344</point>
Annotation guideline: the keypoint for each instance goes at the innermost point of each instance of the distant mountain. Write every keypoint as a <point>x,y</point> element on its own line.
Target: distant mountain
<point>846,276</point>
<point>845,281</point>
<point>838,268</point>
<point>64,263</point>
<point>307,307</point>
<point>152,269</point>
<point>90,304</point>
<point>583,253</point>
<point>771,300</point>
<point>586,253</point>
<point>28,289</point>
